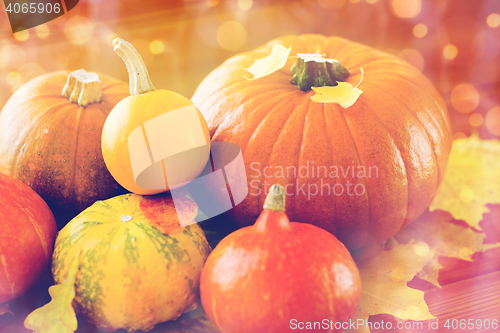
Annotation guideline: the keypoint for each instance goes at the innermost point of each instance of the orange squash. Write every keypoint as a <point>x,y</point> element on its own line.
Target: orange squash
<point>153,140</point>
<point>363,172</point>
<point>277,275</point>
<point>51,140</point>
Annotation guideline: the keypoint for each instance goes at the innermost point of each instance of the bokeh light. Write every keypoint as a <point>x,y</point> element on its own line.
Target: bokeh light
<point>466,195</point>
<point>245,4</point>
<point>406,8</point>
<point>42,31</point>
<point>110,37</point>
<point>231,35</point>
<point>420,30</point>
<point>459,135</point>
<point>156,46</point>
<point>14,78</point>
<point>464,98</point>
<point>371,2</point>
<point>12,57</point>
<point>331,3</point>
<point>450,52</point>
<point>421,248</point>
<point>492,121</point>
<point>476,119</point>
<point>22,36</point>
<point>493,20</point>
<point>212,3</point>
<point>78,30</point>
<point>413,57</point>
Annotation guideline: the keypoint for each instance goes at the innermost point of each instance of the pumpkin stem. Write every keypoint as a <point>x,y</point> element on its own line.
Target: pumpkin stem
<point>139,80</point>
<point>83,88</point>
<point>312,70</point>
<point>275,199</point>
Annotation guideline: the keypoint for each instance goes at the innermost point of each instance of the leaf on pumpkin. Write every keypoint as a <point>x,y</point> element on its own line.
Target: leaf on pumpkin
<point>384,275</point>
<point>4,308</point>
<point>270,64</point>
<point>471,180</point>
<point>437,230</point>
<point>343,93</point>
<point>57,316</point>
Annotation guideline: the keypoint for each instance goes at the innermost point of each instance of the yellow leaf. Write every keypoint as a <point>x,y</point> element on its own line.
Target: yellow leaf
<point>472,180</point>
<point>436,230</point>
<point>4,308</point>
<point>270,64</point>
<point>384,275</point>
<point>57,316</point>
<point>343,93</point>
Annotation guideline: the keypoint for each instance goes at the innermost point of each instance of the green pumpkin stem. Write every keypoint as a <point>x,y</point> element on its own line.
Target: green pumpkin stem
<point>275,199</point>
<point>83,88</point>
<point>139,80</point>
<point>312,70</point>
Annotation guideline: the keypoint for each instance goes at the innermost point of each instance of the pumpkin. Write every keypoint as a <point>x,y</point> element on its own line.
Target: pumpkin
<point>28,230</point>
<point>362,173</point>
<point>276,274</point>
<point>153,140</point>
<point>138,266</point>
<point>50,139</point>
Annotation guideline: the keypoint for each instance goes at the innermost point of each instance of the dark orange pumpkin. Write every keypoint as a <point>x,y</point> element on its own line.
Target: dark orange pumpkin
<point>53,145</point>
<point>277,275</point>
<point>363,172</point>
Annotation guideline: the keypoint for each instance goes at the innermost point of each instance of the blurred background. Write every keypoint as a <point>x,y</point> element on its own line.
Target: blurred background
<point>456,43</point>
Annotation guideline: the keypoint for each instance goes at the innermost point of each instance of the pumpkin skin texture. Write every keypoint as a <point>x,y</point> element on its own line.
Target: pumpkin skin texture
<point>28,230</point>
<point>395,139</point>
<point>259,278</point>
<point>54,145</point>
<point>138,266</point>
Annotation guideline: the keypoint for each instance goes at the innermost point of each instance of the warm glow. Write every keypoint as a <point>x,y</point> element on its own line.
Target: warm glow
<point>420,30</point>
<point>231,35</point>
<point>212,3</point>
<point>475,119</point>
<point>142,46</point>
<point>110,38</point>
<point>459,135</point>
<point>464,98</point>
<point>156,46</point>
<point>493,20</point>
<point>12,56</point>
<point>78,30</point>
<point>31,70</point>
<point>450,51</point>
<point>245,4</point>
<point>42,31</point>
<point>413,57</point>
<point>406,8</point>
<point>62,61</point>
<point>21,36</point>
<point>371,2</point>
<point>421,249</point>
<point>14,78</point>
<point>354,1</point>
<point>493,120</point>
<point>331,3</point>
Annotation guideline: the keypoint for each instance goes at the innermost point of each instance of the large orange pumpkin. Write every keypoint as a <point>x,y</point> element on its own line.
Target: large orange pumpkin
<point>52,142</point>
<point>363,172</point>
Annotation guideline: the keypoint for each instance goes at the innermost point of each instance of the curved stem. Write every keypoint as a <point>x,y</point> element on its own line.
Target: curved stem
<point>83,88</point>
<point>275,199</point>
<point>139,80</point>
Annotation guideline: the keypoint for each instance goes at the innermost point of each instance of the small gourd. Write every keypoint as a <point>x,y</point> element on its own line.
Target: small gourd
<point>153,140</point>
<point>262,277</point>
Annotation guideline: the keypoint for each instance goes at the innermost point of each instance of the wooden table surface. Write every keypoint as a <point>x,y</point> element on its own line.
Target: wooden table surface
<point>188,31</point>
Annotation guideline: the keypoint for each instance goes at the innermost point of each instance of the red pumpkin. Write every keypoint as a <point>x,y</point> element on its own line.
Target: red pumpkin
<point>276,274</point>
<point>363,172</point>
<point>52,142</point>
<point>28,230</point>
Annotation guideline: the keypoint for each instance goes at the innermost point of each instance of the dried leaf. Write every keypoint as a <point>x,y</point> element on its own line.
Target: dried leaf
<point>437,230</point>
<point>57,316</point>
<point>4,308</point>
<point>384,275</point>
<point>270,64</point>
<point>471,180</point>
<point>343,93</point>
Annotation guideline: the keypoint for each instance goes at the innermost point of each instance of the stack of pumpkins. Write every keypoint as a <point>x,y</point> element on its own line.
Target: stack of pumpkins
<point>72,150</point>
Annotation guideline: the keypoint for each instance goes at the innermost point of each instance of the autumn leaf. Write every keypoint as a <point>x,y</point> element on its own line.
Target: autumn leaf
<point>343,93</point>
<point>471,181</point>
<point>270,64</point>
<point>4,308</point>
<point>437,230</point>
<point>384,275</point>
<point>57,316</point>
